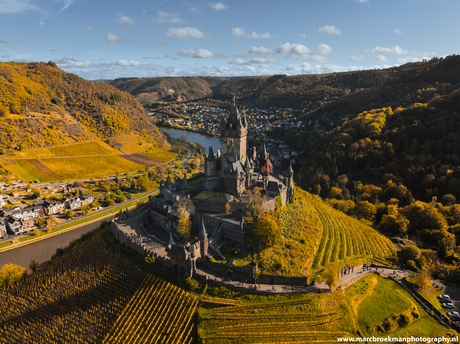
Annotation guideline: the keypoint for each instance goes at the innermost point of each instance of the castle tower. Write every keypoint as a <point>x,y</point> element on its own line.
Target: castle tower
<point>210,163</point>
<point>233,138</point>
<point>203,237</point>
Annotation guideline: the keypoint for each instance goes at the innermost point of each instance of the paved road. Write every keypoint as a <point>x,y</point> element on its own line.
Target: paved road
<point>42,250</point>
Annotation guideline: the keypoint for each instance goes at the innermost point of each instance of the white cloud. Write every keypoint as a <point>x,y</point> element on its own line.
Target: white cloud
<point>303,35</point>
<point>123,68</point>
<point>358,58</point>
<point>239,62</point>
<point>261,51</point>
<point>323,49</point>
<point>381,58</point>
<point>125,21</point>
<point>195,53</point>
<point>299,51</point>
<point>330,29</point>
<point>306,68</point>
<point>381,50</point>
<point>165,17</point>
<point>187,32</point>
<point>255,60</point>
<point>397,31</point>
<point>111,38</point>
<point>362,1</point>
<point>403,60</point>
<point>238,31</point>
<point>262,60</point>
<point>67,3</point>
<point>41,22</point>
<point>15,6</point>
<point>218,6</point>
<point>265,35</point>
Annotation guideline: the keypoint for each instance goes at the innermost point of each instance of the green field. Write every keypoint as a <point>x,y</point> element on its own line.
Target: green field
<point>159,154</point>
<point>36,153</point>
<point>21,172</point>
<point>382,306</point>
<point>83,160</point>
<point>85,148</point>
<point>33,171</point>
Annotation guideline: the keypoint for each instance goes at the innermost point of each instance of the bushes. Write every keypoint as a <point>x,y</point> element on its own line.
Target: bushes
<point>10,274</point>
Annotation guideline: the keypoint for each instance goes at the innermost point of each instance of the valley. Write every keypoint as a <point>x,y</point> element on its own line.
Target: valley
<point>355,204</point>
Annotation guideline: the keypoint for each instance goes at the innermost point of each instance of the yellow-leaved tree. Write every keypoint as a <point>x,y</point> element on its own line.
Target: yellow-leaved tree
<point>267,230</point>
<point>10,274</point>
<point>184,226</point>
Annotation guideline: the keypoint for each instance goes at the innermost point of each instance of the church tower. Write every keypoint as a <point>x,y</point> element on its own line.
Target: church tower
<point>233,138</point>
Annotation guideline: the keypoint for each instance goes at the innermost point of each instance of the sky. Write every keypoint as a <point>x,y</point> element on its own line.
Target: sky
<point>108,39</point>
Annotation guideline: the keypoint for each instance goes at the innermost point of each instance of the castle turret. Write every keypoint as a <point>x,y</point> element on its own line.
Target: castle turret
<point>210,163</point>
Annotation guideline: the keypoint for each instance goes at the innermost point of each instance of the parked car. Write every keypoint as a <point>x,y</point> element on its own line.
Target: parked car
<point>457,323</point>
<point>448,305</point>
<point>455,318</point>
<point>452,314</point>
<point>443,297</point>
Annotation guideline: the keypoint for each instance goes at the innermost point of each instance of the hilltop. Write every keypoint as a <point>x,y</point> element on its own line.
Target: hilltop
<point>167,89</point>
<point>41,106</point>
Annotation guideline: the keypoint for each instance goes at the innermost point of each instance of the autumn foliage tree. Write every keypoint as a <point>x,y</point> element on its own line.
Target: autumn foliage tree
<point>267,230</point>
<point>10,274</point>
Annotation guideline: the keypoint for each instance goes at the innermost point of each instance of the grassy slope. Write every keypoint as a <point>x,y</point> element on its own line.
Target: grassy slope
<point>312,229</point>
<point>385,299</point>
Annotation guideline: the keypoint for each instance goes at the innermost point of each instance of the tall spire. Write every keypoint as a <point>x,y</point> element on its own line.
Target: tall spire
<point>203,232</point>
<point>171,240</point>
<point>211,154</point>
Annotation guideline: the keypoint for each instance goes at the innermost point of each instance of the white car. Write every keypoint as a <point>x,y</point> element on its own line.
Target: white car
<point>452,314</point>
<point>443,297</point>
<point>448,305</point>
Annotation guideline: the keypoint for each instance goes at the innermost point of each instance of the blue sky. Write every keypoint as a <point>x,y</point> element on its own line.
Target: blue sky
<point>107,39</point>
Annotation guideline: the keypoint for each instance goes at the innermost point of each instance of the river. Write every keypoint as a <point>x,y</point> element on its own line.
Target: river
<point>193,137</point>
<point>42,250</point>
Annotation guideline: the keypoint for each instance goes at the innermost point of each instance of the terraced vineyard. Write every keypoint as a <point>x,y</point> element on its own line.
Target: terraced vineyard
<point>158,313</point>
<point>75,299</point>
<point>345,237</point>
<point>313,319</point>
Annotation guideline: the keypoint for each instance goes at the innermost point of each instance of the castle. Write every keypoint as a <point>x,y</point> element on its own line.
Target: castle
<point>240,168</point>
<point>230,176</point>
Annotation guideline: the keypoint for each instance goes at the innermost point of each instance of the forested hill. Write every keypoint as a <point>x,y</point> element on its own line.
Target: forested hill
<point>168,89</point>
<point>41,105</point>
<point>333,94</point>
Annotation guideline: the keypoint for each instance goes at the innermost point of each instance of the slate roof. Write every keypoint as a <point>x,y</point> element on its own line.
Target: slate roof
<point>179,250</point>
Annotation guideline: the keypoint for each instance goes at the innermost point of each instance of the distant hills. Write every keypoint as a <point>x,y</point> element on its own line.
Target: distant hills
<point>307,92</point>
<point>168,89</point>
<point>41,105</point>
